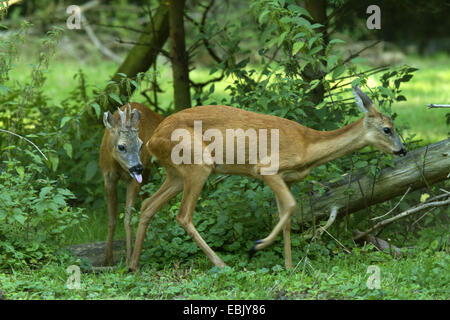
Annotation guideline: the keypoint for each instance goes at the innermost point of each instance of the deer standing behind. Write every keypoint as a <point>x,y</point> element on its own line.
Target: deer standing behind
<point>300,150</point>
<point>121,158</point>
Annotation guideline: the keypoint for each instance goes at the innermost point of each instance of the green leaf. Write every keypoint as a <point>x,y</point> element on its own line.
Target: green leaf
<point>96,108</point>
<point>338,71</point>
<point>386,92</point>
<point>315,50</point>
<point>21,171</point>
<point>134,83</point>
<point>282,37</point>
<point>336,41</point>
<point>59,200</point>
<point>64,121</point>
<point>45,191</point>
<point>316,25</point>
<point>302,22</point>
<point>68,147</point>
<point>19,217</point>
<point>406,78</point>
<point>361,164</point>
<point>54,161</point>
<point>297,46</point>
<point>359,60</point>
<point>115,97</point>
<point>298,9</point>
<point>262,15</point>
<point>239,228</point>
<point>411,69</point>
<point>286,19</point>
<point>91,170</point>
<point>3,214</point>
<point>332,61</point>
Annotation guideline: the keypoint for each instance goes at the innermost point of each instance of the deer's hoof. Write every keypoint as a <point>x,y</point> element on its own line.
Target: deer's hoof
<point>253,249</point>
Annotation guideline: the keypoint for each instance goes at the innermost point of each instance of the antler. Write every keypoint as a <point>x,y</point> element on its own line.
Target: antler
<point>124,120</point>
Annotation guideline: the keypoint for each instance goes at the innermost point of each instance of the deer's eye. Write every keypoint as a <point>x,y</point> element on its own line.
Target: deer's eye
<point>121,147</point>
<point>387,130</point>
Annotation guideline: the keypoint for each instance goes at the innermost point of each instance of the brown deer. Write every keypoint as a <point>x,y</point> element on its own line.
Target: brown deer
<point>121,158</point>
<point>298,150</point>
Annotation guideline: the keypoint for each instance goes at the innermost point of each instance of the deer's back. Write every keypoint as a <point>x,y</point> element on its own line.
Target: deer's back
<point>292,142</point>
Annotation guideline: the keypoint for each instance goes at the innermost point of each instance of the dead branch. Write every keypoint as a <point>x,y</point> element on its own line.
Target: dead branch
<point>318,232</point>
<point>379,217</point>
<point>430,106</point>
<point>417,208</point>
<point>380,244</point>
<point>104,50</point>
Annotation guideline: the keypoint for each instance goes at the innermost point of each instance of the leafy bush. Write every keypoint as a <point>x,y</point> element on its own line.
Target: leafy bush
<point>35,206</point>
<point>34,214</point>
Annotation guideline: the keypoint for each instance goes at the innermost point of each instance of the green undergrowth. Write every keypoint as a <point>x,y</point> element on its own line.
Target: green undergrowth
<point>320,273</point>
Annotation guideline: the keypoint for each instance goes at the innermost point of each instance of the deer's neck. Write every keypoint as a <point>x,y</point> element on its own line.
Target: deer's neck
<point>329,145</point>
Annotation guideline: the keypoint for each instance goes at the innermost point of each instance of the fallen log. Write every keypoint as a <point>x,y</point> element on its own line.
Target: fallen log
<point>94,252</point>
<point>419,168</point>
<point>380,244</point>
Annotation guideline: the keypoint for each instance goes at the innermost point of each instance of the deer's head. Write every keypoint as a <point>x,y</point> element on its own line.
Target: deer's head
<point>125,144</point>
<point>379,128</point>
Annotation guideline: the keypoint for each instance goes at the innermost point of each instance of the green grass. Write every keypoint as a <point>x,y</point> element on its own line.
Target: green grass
<point>423,275</point>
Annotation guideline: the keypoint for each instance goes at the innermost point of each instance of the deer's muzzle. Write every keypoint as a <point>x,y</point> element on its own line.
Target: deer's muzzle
<point>136,172</point>
<point>401,152</point>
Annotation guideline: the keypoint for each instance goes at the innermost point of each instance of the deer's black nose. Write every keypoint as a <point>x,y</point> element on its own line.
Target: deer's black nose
<point>401,152</point>
<point>137,169</point>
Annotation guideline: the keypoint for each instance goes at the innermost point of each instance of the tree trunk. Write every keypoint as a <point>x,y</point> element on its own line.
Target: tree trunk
<point>180,70</point>
<point>144,53</point>
<point>317,10</point>
<point>420,168</point>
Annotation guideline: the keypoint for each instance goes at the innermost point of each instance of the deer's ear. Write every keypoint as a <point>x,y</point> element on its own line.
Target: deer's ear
<point>109,121</point>
<point>135,117</point>
<point>363,101</point>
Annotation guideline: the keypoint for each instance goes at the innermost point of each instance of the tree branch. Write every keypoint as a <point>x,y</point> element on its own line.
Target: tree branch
<point>430,106</point>
<point>417,208</point>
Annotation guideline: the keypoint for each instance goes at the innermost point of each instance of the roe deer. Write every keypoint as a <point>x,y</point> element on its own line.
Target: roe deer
<point>297,151</point>
<point>121,158</point>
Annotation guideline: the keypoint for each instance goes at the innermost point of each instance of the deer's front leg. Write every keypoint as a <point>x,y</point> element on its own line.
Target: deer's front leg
<point>170,188</point>
<point>286,238</point>
<point>132,190</point>
<point>111,201</point>
<point>286,207</point>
